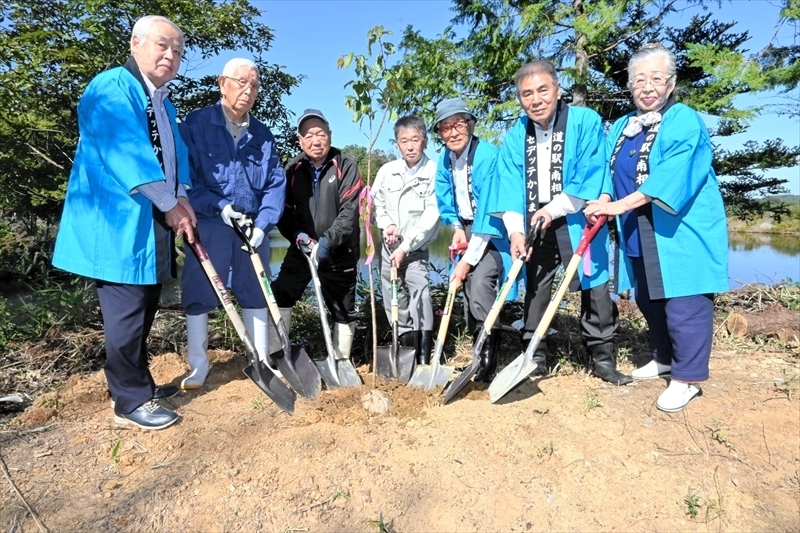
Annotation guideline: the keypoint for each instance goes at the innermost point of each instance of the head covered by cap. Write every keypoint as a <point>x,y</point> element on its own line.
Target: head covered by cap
<point>311,113</point>
<point>449,107</point>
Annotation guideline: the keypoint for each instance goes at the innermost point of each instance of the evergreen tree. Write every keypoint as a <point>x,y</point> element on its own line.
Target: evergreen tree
<point>590,43</point>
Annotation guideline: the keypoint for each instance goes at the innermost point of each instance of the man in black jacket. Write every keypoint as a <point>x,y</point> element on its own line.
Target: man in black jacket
<point>322,189</point>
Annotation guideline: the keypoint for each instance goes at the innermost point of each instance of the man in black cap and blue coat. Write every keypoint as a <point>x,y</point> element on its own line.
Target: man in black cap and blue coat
<point>465,170</point>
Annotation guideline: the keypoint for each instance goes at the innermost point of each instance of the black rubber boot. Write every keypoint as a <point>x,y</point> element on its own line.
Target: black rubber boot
<point>425,347</point>
<point>605,365</point>
<point>489,354</point>
<point>409,339</point>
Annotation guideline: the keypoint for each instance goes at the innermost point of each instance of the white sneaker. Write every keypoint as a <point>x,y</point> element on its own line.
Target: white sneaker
<point>651,370</point>
<point>677,396</point>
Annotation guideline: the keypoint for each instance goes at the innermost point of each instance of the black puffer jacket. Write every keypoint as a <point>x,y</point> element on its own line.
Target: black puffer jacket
<point>333,214</point>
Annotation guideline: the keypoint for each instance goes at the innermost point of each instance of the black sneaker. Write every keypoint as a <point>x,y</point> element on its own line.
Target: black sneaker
<point>149,415</point>
<point>165,391</point>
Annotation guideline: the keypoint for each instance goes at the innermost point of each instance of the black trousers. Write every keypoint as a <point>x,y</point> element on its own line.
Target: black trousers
<point>599,314</point>
<point>128,313</point>
<point>338,286</point>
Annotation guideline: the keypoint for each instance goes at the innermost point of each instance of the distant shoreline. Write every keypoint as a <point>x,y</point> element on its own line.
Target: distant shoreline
<point>764,226</point>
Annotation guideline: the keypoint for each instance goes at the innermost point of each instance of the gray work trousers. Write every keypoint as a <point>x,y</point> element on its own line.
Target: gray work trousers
<point>413,294</point>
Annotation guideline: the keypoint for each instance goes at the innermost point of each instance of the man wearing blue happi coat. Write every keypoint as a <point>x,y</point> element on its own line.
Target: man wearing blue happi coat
<point>238,179</point>
<point>125,203</point>
<point>465,171</point>
<point>551,162</point>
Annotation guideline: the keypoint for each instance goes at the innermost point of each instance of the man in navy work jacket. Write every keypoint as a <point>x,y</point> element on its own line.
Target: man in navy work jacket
<point>125,203</point>
<point>322,189</point>
<point>237,176</point>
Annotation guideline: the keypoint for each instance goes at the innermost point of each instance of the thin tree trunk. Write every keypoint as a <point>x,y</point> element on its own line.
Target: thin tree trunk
<point>580,94</point>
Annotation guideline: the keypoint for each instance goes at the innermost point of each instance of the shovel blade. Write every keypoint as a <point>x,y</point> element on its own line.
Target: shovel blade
<point>429,377</point>
<point>406,361</point>
<point>383,363</point>
<point>511,376</point>
<point>519,369</point>
<point>461,381</point>
<point>347,374</point>
<point>267,381</point>
<point>327,370</point>
<point>299,371</point>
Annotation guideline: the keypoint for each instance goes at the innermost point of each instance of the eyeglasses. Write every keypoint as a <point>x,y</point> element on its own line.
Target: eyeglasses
<point>243,84</point>
<point>459,125</point>
<point>655,81</point>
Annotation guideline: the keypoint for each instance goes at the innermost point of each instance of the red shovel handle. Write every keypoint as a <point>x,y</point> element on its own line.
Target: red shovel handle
<point>460,247</point>
<point>588,234</point>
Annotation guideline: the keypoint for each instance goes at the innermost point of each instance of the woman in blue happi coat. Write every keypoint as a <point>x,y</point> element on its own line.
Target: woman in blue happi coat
<point>673,232</point>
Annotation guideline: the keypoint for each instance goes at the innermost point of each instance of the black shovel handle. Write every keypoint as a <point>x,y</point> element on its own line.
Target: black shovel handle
<point>534,234</point>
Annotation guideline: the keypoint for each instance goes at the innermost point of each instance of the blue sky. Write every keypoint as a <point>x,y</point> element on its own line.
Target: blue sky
<point>310,35</point>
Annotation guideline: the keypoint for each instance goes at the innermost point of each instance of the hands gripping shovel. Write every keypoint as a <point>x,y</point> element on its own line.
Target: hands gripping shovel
<point>523,365</point>
<point>395,362</point>
<point>466,375</point>
<point>334,371</point>
<point>293,362</point>
<point>257,370</point>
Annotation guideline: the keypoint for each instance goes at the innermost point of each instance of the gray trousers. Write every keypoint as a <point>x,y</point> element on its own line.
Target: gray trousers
<point>413,292</point>
<point>599,314</point>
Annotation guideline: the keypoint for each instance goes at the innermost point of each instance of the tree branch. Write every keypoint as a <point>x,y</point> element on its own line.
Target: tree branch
<point>43,155</point>
<point>646,25</point>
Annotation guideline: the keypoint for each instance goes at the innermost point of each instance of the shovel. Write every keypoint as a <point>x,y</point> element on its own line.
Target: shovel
<point>258,372</point>
<point>293,362</point>
<point>466,375</point>
<point>523,365</point>
<point>335,372</point>
<point>436,374</point>
<point>394,362</point>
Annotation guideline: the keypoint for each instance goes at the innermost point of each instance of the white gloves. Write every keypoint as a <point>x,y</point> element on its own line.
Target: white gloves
<point>228,215</point>
<point>256,238</point>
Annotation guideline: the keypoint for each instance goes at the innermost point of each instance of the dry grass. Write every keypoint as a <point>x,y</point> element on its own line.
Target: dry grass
<point>32,367</point>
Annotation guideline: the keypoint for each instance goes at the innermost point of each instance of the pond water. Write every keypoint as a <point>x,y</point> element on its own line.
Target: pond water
<point>752,257</point>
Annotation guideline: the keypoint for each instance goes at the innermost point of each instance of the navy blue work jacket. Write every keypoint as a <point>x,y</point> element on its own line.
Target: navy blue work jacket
<point>248,174</point>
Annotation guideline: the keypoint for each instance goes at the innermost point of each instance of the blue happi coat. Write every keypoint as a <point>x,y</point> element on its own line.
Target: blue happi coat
<point>689,223</point>
<point>483,174</point>
<point>107,228</point>
<point>583,177</point>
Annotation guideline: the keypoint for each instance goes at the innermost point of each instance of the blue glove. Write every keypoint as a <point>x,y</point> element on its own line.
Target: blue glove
<point>323,250</point>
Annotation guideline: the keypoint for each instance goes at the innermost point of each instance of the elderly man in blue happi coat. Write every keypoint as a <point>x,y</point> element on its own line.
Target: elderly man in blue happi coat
<point>125,203</point>
<point>551,162</point>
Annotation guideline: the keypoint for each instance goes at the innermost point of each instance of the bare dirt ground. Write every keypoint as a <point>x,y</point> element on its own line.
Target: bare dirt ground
<point>561,453</point>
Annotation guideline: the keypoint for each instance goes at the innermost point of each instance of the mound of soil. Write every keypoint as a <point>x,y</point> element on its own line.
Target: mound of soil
<point>562,453</point>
